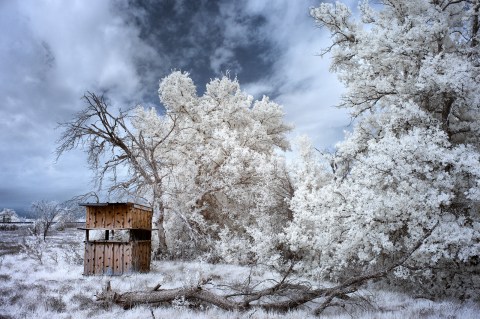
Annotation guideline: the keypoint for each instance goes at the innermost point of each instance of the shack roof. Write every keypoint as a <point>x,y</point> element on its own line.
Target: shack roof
<point>124,204</point>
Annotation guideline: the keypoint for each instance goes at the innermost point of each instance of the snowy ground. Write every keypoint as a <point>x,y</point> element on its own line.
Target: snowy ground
<point>51,285</point>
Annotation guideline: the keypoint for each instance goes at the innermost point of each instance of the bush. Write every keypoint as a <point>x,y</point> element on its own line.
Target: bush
<point>56,304</point>
<point>34,247</point>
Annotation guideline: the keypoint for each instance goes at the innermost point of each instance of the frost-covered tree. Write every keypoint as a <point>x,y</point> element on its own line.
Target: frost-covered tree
<point>208,164</point>
<point>8,215</point>
<point>224,174</point>
<point>46,214</point>
<point>425,51</point>
<point>412,163</point>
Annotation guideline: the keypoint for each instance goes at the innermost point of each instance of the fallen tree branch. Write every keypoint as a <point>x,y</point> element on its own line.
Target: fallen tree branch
<point>282,296</point>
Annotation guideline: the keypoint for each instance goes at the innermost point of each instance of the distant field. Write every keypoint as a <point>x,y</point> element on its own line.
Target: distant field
<point>45,281</point>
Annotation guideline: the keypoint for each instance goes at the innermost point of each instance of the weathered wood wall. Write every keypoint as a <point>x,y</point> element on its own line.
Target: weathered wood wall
<point>118,216</point>
<point>107,257</point>
<point>116,258</point>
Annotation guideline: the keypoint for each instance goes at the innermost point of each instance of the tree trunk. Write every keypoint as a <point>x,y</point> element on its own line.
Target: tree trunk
<point>130,299</point>
<point>46,226</point>
<point>446,110</point>
<point>162,248</point>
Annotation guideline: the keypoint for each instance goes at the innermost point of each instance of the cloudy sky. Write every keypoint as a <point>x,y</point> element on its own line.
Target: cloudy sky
<point>53,51</point>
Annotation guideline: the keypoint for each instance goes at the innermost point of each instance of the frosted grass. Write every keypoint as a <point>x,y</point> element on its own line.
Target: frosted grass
<point>57,289</point>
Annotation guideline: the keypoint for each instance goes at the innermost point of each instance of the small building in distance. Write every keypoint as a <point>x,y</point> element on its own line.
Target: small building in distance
<point>117,238</point>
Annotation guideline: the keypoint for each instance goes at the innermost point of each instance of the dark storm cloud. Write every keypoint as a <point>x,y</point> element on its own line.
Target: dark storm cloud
<point>52,52</point>
<point>205,38</point>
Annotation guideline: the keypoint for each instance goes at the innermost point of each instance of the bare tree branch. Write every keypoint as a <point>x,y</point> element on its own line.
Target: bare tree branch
<point>112,145</point>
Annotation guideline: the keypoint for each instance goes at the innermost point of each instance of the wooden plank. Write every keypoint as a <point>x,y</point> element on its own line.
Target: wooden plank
<point>139,257</point>
<point>128,217</point>
<point>134,257</point>
<point>109,217</point>
<point>127,258</point>
<point>93,211</point>
<point>141,219</point>
<point>145,219</point>
<point>137,217</point>
<point>143,263</point>
<point>123,213</point>
<point>148,220</point>
<point>101,215</point>
<point>92,259</point>
<point>118,217</point>
<point>108,259</point>
<point>146,257</point>
<point>139,260</point>
<point>118,258</point>
<point>93,249</point>
<point>88,219</point>
<point>87,260</point>
<point>99,258</point>
<point>131,221</point>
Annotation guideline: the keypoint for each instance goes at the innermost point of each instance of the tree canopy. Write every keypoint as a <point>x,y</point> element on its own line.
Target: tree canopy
<point>400,193</point>
<point>411,70</point>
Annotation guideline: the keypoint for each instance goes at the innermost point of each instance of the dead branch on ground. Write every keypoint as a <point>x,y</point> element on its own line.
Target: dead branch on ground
<point>283,295</point>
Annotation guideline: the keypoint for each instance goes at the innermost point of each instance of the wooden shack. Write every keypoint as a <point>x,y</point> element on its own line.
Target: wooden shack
<point>109,255</point>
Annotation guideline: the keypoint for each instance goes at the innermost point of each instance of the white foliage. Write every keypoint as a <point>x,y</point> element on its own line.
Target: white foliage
<point>412,160</point>
<point>219,160</point>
